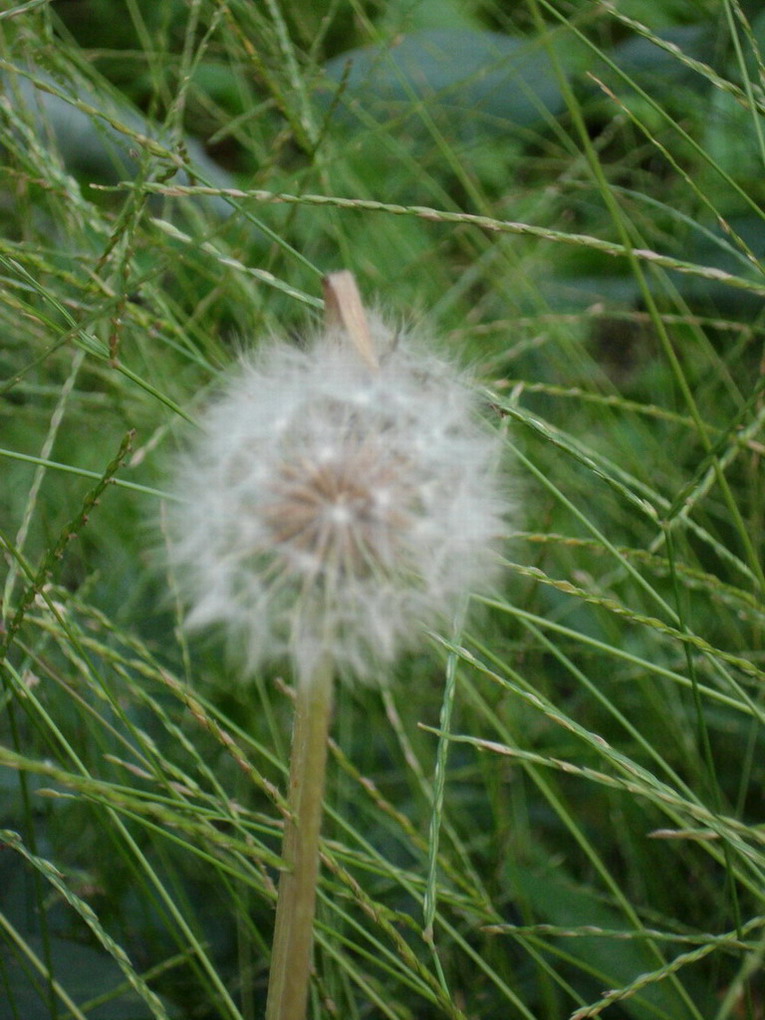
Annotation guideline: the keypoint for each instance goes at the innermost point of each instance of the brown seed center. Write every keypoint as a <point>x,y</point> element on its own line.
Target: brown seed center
<point>344,515</point>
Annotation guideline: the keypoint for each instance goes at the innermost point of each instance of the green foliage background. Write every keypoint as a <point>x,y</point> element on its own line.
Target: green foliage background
<point>560,813</point>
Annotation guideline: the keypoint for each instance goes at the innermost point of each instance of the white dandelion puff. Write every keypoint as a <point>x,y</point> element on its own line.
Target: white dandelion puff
<point>326,501</point>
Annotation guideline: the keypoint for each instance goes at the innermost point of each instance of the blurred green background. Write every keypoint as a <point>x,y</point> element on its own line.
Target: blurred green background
<point>569,195</point>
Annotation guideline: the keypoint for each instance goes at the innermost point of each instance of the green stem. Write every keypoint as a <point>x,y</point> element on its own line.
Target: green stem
<point>293,934</point>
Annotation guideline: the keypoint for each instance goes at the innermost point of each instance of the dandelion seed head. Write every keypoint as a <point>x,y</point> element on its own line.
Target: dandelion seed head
<point>329,507</point>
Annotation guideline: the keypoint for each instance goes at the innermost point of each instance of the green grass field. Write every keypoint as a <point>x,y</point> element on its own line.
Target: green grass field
<point>558,813</point>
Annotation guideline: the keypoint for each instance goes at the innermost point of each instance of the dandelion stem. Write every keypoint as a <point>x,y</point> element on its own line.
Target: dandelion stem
<point>292,948</point>
<point>293,934</point>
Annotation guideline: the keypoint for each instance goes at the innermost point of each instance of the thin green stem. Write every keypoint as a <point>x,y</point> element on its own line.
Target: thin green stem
<point>293,933</point>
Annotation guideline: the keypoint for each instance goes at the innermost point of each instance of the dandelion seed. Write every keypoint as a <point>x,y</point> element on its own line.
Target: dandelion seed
<point>330,501</point>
